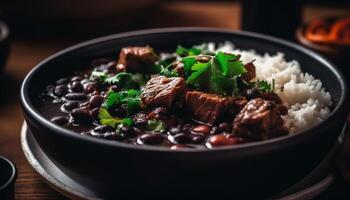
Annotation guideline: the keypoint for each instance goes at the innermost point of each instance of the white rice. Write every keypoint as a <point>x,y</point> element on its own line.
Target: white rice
<point>307,101</point>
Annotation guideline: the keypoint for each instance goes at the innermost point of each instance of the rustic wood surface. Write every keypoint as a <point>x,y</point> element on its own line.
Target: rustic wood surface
<point>26,53</point>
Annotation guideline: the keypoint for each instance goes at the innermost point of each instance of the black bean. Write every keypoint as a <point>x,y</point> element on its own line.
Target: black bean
<point>89,88</point>
<point>221,140</point>
<point>103,129</point>
<point>70,105</point>
<point>94,113</point>
<point>127,132</point>
<point>113,136</point>
<point>197,138</point>
<point>96,101</point>
<point>76,96</point>
<point>84,81</point>
<point>151,139</point>
<point>174,130</point>
<point>76,78</point>
<point>136,131</point>
<point>224,127</point>
<point>203,129</point>
<point>62,81</point>
<point>187,127</point>
<point>182,138</point>
<point>81,116</point>
<point>61,90</point>
<point>59,120</point>
<point>76,87</point>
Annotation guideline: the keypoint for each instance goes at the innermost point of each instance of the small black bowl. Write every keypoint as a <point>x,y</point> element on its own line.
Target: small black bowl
<point>4,45</point>
<point>252,170</point>
<point>7,179</point>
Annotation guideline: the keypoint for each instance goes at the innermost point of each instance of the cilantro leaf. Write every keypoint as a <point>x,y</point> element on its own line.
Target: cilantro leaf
<point>155,125</point>
<point>169,72</point>
<point>183,52</point>
<point>264,86</point>
<point>229,65</point>
<point>107,119</point>
<point>131,98</point>
<point>123,80</point>
<point>188,63</point>
<point>127,121</point>
<point>199,69</point>
<point>98,76</point>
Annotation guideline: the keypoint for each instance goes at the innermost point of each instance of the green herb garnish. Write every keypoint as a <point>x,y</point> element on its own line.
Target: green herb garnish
<point>155,125</point>
<point>107,119</point>
<point>123,80</point>
<point>183,52</point>
<point>264,86</point>
<point>219,75</point>
<point>98,76</point>
<point>130,98</point>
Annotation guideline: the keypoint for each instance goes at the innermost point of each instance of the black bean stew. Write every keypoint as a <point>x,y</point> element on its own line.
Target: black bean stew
<point>192,98</point>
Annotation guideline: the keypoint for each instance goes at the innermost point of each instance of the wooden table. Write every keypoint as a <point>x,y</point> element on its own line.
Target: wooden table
<point>26,53</point>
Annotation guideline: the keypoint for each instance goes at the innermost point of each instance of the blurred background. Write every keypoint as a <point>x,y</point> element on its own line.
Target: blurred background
<point>39,28</point>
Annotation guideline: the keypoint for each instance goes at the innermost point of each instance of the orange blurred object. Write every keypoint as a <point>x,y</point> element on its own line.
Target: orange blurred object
<point>322,31</point>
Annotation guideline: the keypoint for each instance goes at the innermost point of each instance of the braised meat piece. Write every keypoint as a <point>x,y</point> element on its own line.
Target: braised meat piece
<point>271,96</point>
<point>260,119</point>
<point>178,66</point>
<point>136,59</point>
<point>162,91</point>
<point>255,93</point>
<point>209,108</point>
<point>250,74</point>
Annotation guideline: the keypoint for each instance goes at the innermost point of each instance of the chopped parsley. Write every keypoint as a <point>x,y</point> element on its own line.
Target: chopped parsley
<point>264,86</point>
<point>107,119</point>
<point>155,125</point>
<point>183,52</point>
<point>131,98</point>
<point>123,80</point>
<point>98,76</point>
<point>219,75</point>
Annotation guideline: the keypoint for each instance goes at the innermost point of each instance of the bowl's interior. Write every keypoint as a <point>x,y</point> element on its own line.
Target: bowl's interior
<point>81,55</point>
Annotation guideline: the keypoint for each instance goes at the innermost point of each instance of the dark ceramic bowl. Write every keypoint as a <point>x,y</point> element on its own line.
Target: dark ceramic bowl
<point>256,169</point>
<point>7,179</point>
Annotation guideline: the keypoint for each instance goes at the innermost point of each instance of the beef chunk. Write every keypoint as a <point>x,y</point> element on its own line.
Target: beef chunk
<point>162,91</point>
<point>255,93</point>
<point>250,74</point>
<point>136,59</point>
<point>260,119</point>
<point>209,108</point>
<point>271,97</point>
<point>178,66</point>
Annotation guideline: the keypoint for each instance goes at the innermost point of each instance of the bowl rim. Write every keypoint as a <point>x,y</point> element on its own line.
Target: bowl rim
<point>12,177</point>
<point>267,145</point>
